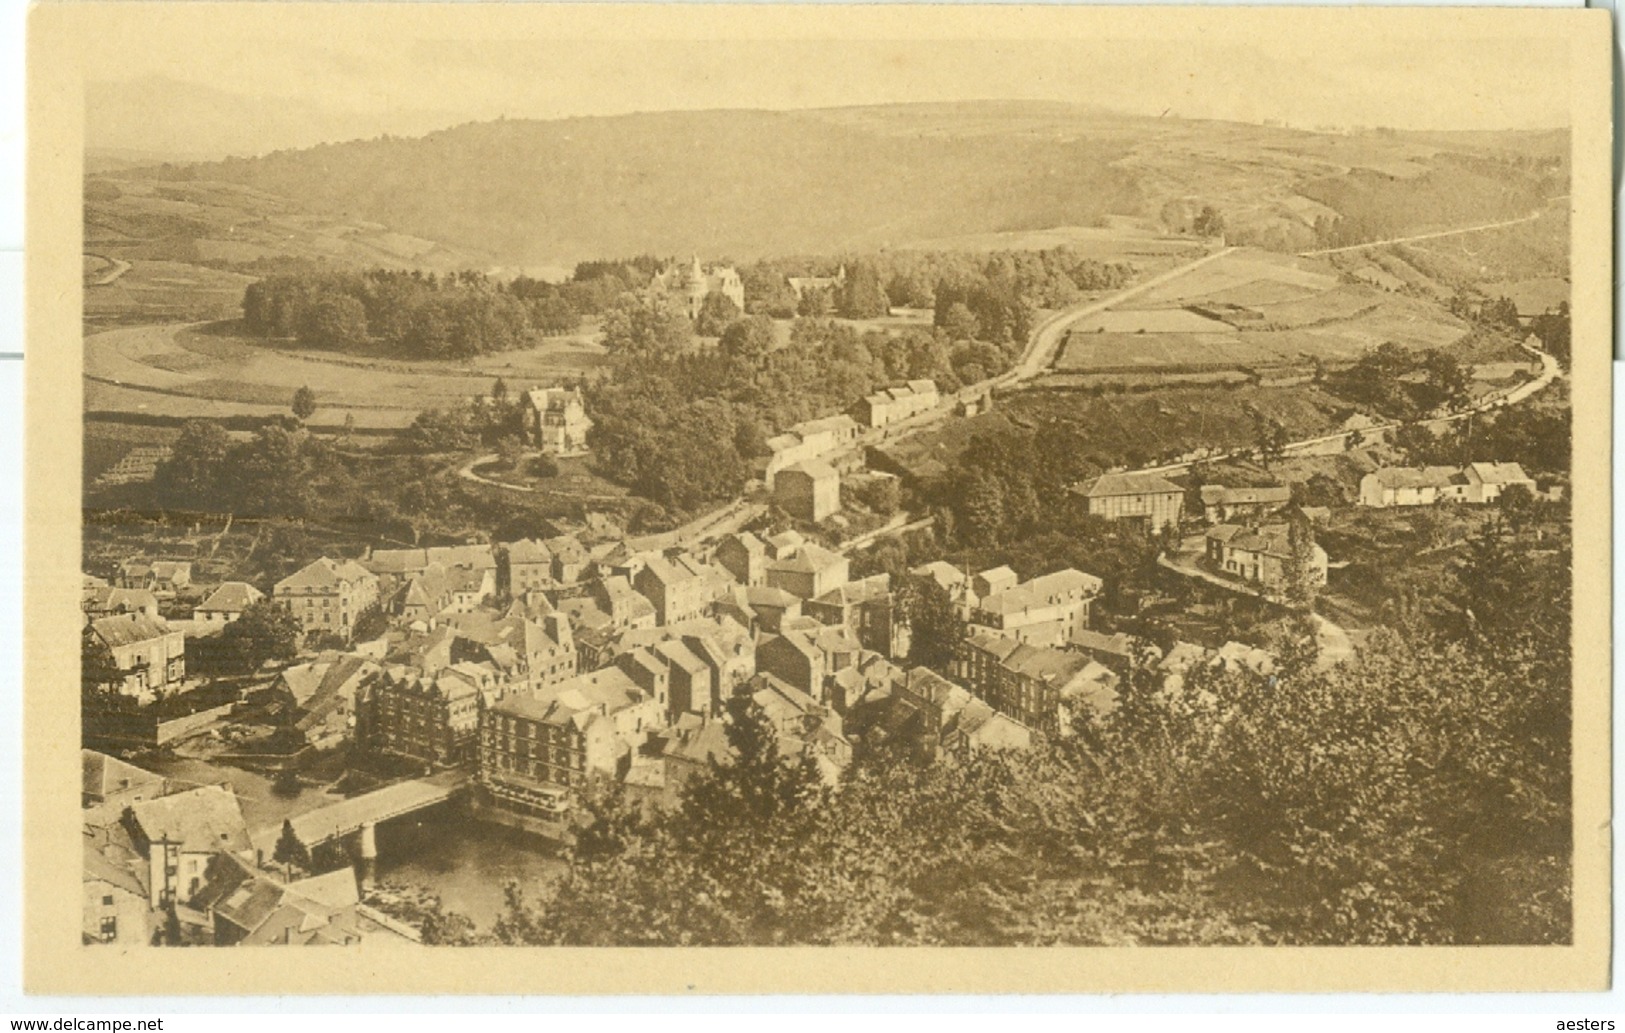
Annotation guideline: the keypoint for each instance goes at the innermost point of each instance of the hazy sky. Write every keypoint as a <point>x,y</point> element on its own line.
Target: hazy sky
<point>253,84</point>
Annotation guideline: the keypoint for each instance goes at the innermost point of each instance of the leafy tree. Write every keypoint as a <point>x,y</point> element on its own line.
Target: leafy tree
<point>304,404</point>
<point>499,391</point>
<point>334,321</point>
<point>370,623</point>
<point>960,322</point>
<point>934,622</point>
<point>862,296</point>
<point>192,475</point>
<point>98,672</point>
<point>266,631</point>
<point>1552,328</point>
<point>290,851</point>
<point>1208,223</point>
<point>1270,441</point>
<point>747,340</point>
<point>717,312</point>
<point>757,783</point>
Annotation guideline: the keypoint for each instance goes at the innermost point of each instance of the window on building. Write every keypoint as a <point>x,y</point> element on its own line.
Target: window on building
<point>109,929</point>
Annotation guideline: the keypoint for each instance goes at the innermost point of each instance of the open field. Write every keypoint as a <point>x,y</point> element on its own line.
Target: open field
<point>1251,309</point>
<point>202,370</point>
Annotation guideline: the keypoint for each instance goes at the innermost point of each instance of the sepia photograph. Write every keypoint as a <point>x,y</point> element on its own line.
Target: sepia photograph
<point>695,477</point>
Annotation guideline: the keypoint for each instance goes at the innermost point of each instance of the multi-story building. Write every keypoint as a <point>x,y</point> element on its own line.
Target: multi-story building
<point>150,656</point>
<point>744,556</point>
<point>897,403</point>
<point>431,717</point>
<point>1221,505</point>
<point>526,566</point>
<point>536,753</point>
<point>1148,499</point>
<point>810,439</point>
<point>865,608</point>
<point>805,570</point>
<point>555,420</point>
<point>180,833</point>
<point>809,491</point>
<point>1041,687</point>
<point>328,595</point>
<point>622,605</point>
<point>1264,555</point>
<point>681,588</point>
<point>1044,611</point>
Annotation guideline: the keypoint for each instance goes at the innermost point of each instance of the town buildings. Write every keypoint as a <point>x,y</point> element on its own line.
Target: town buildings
<point>432,717</point>
<point>226,603</point>
<point>536,753</point>
<point>1473,484</point>
<point>180,834</point>
<point>328,595</point>
<point>525,566</point>
<point>744,556</point>
<point>809,491</point>
<point>680,587</point>
<point>1044,611</point>
<point>809,439</point>
<point>895,404</point>
<point>555,420</point>
<point>162,578</point>
<point>1041,687</point>
<point>150,656</point>
<point>865,608</point>
<point>1265,555</point>
<point>1148,499</point>
<point>1222,505</point>
<point>103,601</point>
<point>803,569</point>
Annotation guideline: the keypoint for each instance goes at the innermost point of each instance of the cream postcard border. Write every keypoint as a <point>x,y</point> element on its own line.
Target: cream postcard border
<point>56,963</point>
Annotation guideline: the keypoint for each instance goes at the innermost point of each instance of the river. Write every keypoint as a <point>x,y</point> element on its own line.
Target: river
<point>466,863</point>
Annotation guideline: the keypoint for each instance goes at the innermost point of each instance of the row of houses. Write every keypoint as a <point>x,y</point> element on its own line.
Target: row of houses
<point>1472,484</point>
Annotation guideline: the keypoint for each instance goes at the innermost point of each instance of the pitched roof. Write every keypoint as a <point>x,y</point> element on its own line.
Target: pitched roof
<point>119,600</point>
<point>103,775</point>
<point>817,469</point>
<point>324,573</point>
<point>1114,484</point>
<point>110,863</point>
<point>1218,494</point>
<point>202,820</point>
<point>1418,476</point>
<point>231,597</point>
<point>526,550</point>
<point>127,629</point>
<point>1117,644</point>
<point>1500,473</point>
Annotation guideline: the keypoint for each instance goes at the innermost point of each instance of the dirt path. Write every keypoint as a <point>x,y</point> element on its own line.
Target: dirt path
<point>1335,645</point>
<point>1439,235</point>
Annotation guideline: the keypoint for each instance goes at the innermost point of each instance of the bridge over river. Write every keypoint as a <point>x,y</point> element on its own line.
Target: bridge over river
<point>360,815</point>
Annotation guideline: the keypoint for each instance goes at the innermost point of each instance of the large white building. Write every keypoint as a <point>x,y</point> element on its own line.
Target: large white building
<point>328,595</point>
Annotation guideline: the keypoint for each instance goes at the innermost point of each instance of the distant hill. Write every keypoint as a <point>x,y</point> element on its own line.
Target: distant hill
<point>739,183</point>
<point>745,184</point>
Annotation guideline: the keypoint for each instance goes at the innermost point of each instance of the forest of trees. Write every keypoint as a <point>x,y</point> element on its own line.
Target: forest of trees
<point>681,426</point>
<point>455,315</point>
